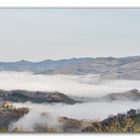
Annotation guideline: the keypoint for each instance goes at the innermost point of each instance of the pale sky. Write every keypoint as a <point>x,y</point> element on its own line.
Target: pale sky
<point>38,34</point>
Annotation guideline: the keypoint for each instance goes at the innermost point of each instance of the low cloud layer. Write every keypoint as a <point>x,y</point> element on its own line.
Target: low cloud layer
<point>47,115</point>
<point>78,86</point>
<point>35,121</point>
<point>89,111</point>
<point>87,86</point>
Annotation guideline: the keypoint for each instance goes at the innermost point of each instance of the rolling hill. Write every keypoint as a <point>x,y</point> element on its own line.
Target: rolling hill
<point>107,67</point>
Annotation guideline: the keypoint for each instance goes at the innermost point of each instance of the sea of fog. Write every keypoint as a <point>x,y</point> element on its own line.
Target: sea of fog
<point>89,111</point>
<point>72,85</point>
<point>85,111</point>
<point>86,86</point>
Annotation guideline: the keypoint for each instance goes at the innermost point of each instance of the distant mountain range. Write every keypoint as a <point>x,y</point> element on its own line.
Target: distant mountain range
<point>107,67</point>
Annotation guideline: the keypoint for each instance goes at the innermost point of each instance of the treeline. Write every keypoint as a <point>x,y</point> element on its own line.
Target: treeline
<point>126,122</point>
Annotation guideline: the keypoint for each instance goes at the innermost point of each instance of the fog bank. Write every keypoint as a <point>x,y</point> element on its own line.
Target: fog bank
<point>47,115</point>
<point>87,86</point>
<point>89,111</point>
<point>75,85</point>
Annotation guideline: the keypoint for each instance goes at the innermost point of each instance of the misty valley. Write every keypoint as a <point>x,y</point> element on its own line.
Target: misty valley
<point>31,102</point>
<point>69,70</point>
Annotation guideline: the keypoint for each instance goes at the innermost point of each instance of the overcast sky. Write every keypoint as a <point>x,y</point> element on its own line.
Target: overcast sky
<point>38,34</point>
